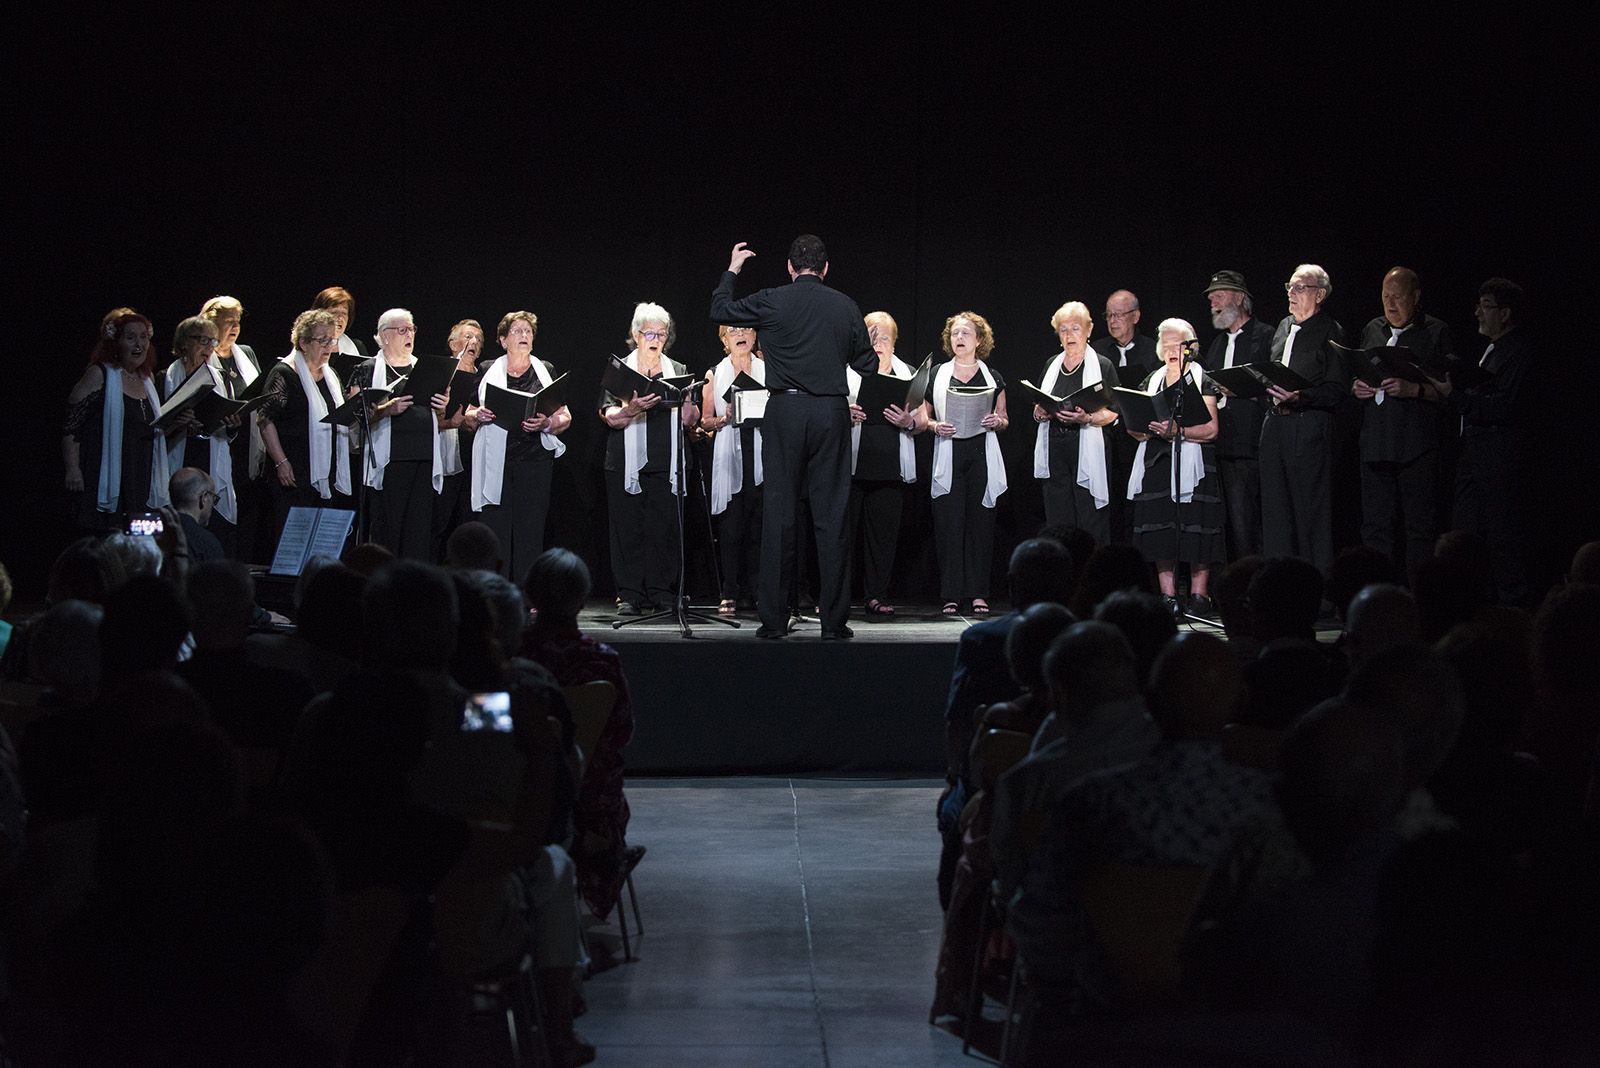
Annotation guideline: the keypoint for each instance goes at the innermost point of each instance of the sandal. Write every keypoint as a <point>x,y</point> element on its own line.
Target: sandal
<point>876,607</point>
<point>726,607</point>
<point>949,608</point>
<point>980,607</point>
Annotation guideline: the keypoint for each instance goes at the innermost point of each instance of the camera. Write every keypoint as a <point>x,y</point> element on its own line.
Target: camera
<point>487,712</point>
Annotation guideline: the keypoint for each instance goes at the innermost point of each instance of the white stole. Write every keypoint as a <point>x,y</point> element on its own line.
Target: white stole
<point>327,463</point>
<point>634,442</point>
<point>248,372</point>
<point>727,448</point>
<point>944,448</point>
<point>489,441</point>
<point>908,452</point>
<point>108,493</point>
<point>221,461</point>
<point>1091,439</point>
<point>1190,465</point>
<point>347,346</point>
<point>377,457</point>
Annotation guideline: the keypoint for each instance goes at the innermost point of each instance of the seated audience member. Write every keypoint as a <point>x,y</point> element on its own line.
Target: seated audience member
<point>1039,572</point>
<point>368,558</point>
<point>1585,565</point>
<point>1293,671</point>
<point>1079,542</point>
<point>1144,620</point>
<point>1307,948</point>
<point>64,655</point>
<point>1503,799</point>
<point>84,571</point>
<point>473,546</point>
<point>557,584</point>
<point>1035,629</point>
<point>1379,618</point>
<point>327,644</point>
<point>5,603</point>
<point>1180,806</point>
<point>1097,720</point>
<point>1109,569</point>
<point>1563,729</point>
<point>256,706</point>
<point>144,628</point>
<point>1353,570</point>
<point>1452,587</point>
<point>193,497</point>
<point>1231,591</point>
<point>138,555</point>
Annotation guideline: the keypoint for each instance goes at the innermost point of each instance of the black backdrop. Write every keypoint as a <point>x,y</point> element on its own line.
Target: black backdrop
<point>461,166</point>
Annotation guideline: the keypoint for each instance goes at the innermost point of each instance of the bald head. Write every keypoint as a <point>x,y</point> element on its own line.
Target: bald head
<point>190,489</point>
<point>1122,315</point>
<point>1196,687</point>
<point>1380,617</point>
<point>1402,292</point>
<point>1586,564</point>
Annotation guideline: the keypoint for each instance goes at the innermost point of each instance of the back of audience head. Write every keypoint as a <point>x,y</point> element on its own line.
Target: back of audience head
<point>143,629</point>
<point>6,589</point>
<point>1285,599</point>
<point>1380,617</point>
<point>1416,690</point>
<point>64,651</point>
<point>505,600</point>
<point>1088,665</point>
<point>1495,666</point>
<point>1079,542</point>
<point>411,617</point>
<point>479,661</point>
<point>330,614</point>
<point>1448,591</point>
<point>557,585</point>
<point>139,555</point>
<point>1110,568</point>
<point>1029,639</point>
<point>473,546</point>
<point>222,598</point>
<point>1341,778</point>
<point>307,573</point>
<point>1196,687</point>
<point>1040,572</point>
<point>374,732</point>
<point>1231,593</point>
<point>186,487</point>
<point>85,571</point>
<point>1144,620</point>
<point>367,558</point>
<point>1585,564</point>
<point>1566,633</point>
<point>1354,569</point>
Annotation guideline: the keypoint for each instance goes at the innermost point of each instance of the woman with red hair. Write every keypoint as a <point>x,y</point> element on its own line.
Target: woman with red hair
<point>112,465</point>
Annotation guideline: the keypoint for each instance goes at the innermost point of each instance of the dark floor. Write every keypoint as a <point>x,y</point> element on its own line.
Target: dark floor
<point>788,922</point>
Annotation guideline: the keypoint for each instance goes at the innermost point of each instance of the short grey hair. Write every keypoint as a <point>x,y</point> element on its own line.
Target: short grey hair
<point>1072,309</point>
<point>649,312</point>
<point>1318,276</point>
<point>139,555</point>
<point>394,317</point>
<point>1180,325</point>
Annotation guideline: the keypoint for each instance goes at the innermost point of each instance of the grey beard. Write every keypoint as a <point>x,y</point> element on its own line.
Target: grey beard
<point>1224,319</point>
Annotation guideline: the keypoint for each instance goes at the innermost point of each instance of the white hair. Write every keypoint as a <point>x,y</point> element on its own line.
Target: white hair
<point>1318,276</point>
<point>648,312</point>
<point>394,317</point>
<point>1072,309</point>
<point>1185,331</point>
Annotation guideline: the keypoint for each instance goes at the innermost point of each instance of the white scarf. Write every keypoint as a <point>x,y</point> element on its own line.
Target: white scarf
<point>383,434</point>
<point>908,452</point>
<point>347,345</point>
<point>1091,439</point>
<point>249,373</point>
<point>489,441</point>
<point>108,493</point>
<point>1190,466</point>
<point>634,443</point>
<point>727,448</point>
<point>319,444</point>
<point>221,462</point>
<point>944,448</point>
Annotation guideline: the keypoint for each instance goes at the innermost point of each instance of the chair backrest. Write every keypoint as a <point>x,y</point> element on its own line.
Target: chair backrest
<point>1141,914</point>
<point>334,992</point>
<point>996,752</point>
<point>590,704</point>
<point>1252,747</point>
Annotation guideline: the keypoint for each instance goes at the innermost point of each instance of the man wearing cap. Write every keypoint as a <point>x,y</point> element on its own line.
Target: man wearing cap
<point>1134,356</point>
<point>1297,437</point>
<point>1244,339</point>
<point>1403,426</point>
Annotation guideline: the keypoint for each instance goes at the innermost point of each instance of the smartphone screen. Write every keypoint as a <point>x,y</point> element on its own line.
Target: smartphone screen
<point>145,524</point>
<point>487,712</point>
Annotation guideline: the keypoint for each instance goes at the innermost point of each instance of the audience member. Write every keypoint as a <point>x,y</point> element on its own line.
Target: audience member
<point>1379,618</point>
<point>1413,689</point>
<point>1585,565</point>
<point>1454,585</point>
<point>473,546</point>
<point>1293,671</point>
<point>1109,569</point>
<point>144,628</point>
<point>1079,542</point>
<point>1231,591</point>
<point>1355,568</point>
<point>138,554</point>
<point>1144,620</point>
<point>1563,731</point>
<point>368,558</point>
<point>5,603</point>
<point>193,498</point>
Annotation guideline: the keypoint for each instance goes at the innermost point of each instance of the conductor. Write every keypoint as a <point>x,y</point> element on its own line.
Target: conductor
<point>809,332</point>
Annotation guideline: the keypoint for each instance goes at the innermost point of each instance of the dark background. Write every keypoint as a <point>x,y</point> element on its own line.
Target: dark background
<point>463,166</point>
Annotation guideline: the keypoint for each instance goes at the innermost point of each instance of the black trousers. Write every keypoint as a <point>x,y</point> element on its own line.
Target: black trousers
<point>739,543</point>
<point>1069,504</point>
<point>403,509</point>
<point>1296,486</point>
<point>1241,498</point>
<point>1489,504</point>
<point>875,510</point>
<point>451,508</point>
<point>644,537</point>
<point>963,529</point>
<point>805,439</point>
<point>1405,492</point>
<point>1120,450</point>
<point>518,520</point>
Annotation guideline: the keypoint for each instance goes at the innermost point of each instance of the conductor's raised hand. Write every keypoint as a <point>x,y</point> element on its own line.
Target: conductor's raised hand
<point>740,254</point>
<point>858,414</point>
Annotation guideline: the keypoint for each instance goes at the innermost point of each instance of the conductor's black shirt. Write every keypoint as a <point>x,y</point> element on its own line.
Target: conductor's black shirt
<point>807,331</point>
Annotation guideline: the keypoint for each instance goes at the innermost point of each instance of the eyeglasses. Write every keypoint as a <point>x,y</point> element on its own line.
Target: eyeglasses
<point>1486,306</point>
<point>403,331</point>
<point>653,335</point>
<point>736,330</point>
<point>320,340</point>
<point>1120,315</point>
<point>204,494</point>
<point>203,342</point>
<point>1294,289</point>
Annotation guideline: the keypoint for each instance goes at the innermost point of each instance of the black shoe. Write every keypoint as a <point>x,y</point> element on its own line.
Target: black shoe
<point>1173,606</point>
<point>1201,605</point>
<point>842,634</point>
<point>765,631</point>
<point>627,608</point>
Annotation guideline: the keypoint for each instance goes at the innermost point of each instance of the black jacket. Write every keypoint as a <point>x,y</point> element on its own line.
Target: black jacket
<point>1239,420</point>
<point>808,332</point>
<point>1313,359</point>
<point>1403,428</point>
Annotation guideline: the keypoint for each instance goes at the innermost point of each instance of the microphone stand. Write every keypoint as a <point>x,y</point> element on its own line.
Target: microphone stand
<point>680,610</point>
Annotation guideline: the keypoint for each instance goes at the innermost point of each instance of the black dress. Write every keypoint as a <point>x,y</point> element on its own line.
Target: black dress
<point>644,525</point>
<point>285,409</point>
<point>877,500</point>
<point>1164,529</point>
<point>84,422</point>
<point>519,519</point>
<point>963,528</point>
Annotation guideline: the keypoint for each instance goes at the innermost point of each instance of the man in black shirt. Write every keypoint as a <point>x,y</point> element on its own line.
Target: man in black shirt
<point>1244,339</point>
<point>809,332</point>
<point>193,498</point>
<point>1297,438</point>
<point>1402,428</point>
